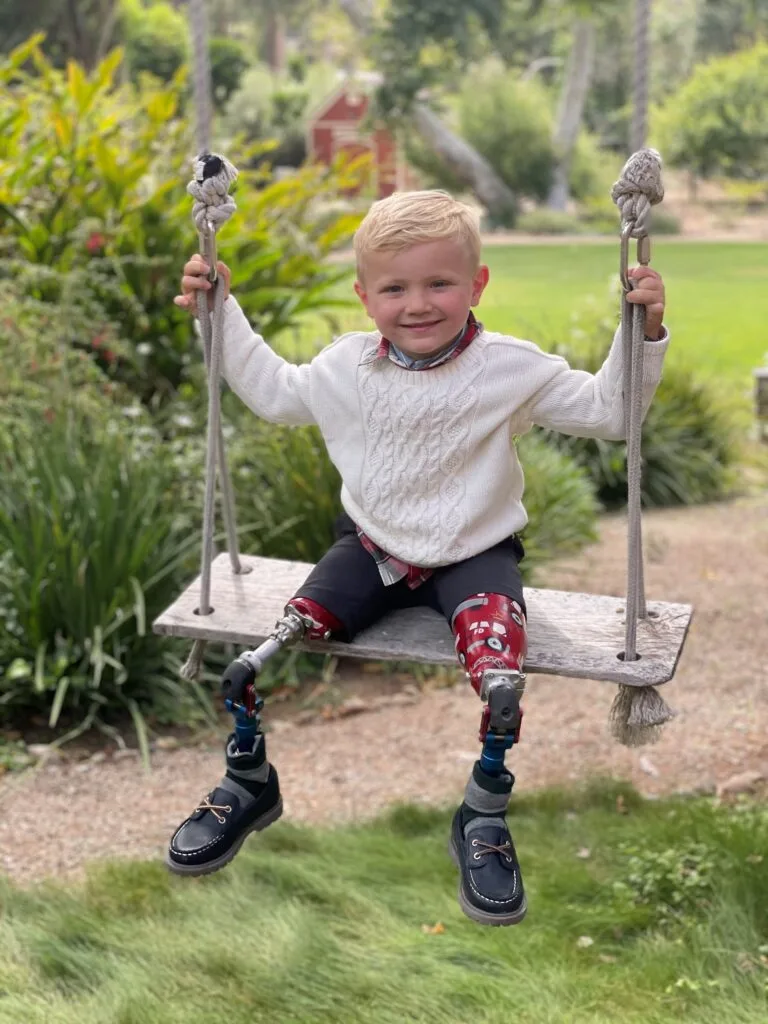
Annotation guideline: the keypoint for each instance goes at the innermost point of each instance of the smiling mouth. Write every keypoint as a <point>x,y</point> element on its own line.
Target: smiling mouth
<point>422,326</point>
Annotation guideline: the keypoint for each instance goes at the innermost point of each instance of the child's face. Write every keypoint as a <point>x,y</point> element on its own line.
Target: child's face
<point>419,298</point>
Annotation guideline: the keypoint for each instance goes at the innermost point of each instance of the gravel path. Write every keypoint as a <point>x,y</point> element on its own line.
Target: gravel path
<point>68,813</point>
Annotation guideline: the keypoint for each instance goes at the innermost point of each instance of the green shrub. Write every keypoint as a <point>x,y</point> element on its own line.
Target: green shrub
<point>286,482</point>
<point>548,222</point>
<point>92,543</point>
<point>509,122</point>
<point>674,882</point>
<point>92,181</point>
<point>689,445</point>
<point>46,360</point>
<point>228,64</point>
<point>560,501</point>
<point>156,38</point>
<point>715,123</point>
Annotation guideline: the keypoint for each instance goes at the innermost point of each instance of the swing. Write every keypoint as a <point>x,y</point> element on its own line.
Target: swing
<point>628,642</point>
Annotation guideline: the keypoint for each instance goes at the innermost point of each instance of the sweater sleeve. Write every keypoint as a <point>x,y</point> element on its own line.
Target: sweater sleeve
<point>592,405</point>
<point>269,385</point>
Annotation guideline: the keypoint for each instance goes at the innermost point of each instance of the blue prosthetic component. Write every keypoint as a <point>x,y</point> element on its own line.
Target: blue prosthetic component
<point>246,725</point>
<point>494,749</point>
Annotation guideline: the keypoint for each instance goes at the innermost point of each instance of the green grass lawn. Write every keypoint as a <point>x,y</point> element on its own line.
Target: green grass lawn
<point>360,926</point>
<point>717,296</point>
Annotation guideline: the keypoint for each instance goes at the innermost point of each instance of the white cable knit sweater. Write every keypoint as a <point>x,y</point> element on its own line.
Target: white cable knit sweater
<point>428,465</point>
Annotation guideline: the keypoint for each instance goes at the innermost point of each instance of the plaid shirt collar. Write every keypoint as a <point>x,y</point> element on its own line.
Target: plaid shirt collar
<point>387,350</point>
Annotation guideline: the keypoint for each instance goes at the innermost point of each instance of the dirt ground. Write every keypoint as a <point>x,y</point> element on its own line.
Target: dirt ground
<point>409,745</point>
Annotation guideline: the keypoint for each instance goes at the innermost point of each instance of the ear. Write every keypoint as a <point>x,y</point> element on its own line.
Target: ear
<point>479,281</point>
<point>362,295</point>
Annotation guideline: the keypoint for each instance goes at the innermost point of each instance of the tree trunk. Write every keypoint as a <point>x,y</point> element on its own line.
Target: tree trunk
<point>106,35</point>
<point>466,164</point>
<point>472,169</point>
<point>571,110</point>
<point>274,40</point>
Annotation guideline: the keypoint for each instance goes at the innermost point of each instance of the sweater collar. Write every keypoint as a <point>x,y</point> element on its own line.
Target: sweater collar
<point>468,333</point>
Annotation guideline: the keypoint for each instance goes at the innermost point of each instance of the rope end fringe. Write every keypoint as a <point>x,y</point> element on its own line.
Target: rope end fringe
<point>193,666</point>
<point>638,714</point>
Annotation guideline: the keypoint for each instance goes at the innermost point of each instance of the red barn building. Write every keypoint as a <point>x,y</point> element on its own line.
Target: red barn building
<point>338,126</point>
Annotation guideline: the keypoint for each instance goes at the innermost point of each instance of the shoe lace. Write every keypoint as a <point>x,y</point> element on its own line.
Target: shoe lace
<point>206,805</point>
<point>483,849</point>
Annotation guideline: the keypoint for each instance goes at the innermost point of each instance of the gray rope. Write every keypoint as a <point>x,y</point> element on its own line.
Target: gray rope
<point>212,206</point>
<point>640,45</point>
<point>637,713</point>
<point>638,188</point>
<point>198,21</point>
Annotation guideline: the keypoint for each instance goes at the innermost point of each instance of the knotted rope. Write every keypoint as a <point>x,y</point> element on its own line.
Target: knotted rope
<point>637,712</point>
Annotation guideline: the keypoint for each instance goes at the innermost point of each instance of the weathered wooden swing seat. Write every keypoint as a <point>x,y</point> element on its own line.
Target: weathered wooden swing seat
<point>569,634</point>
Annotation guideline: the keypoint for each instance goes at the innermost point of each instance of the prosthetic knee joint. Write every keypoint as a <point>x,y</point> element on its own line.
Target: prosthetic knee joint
<point>302,618</point>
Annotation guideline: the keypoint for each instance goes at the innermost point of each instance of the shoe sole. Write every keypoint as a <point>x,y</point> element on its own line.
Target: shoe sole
<point>475,913</point>
<point>221,862</point>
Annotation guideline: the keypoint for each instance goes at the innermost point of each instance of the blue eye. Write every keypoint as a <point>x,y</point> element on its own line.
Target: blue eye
<point>440,284</point>
<point>392,288</point>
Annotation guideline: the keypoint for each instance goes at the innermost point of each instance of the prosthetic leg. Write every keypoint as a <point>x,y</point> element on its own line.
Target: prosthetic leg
<point>247,799</point>
<point>491,645</point>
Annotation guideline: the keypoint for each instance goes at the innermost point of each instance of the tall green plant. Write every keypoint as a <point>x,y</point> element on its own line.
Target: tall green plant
<point>90,548</point>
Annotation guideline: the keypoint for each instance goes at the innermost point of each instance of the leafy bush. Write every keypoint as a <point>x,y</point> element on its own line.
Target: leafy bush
<point>228,64</point>
<point>270,106</point>
<point>548,222</point>
<point>45,362</point>
<point>156,38</point>
<point>93,181</point>
<point>287,482</point>
<point>688,438</point>
<point>91,544</point>
<point>672,882</point>
<point>560,501</point>
<point>715,124</point>
<point>509,122</point>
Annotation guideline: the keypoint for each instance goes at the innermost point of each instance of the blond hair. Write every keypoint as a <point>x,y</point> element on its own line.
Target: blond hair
<point>409,218</point>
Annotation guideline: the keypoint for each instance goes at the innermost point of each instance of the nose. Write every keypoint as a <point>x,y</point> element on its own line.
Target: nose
<point>417,301</point>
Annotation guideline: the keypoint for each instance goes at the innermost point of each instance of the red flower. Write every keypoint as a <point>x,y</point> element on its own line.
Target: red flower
<point>95,242</point>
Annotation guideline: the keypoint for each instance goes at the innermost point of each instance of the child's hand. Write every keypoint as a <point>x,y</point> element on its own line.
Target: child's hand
<point>194,278</point>
<point>648,291</point>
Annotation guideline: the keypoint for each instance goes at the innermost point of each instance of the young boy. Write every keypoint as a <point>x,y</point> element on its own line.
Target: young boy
<point>419,417</point>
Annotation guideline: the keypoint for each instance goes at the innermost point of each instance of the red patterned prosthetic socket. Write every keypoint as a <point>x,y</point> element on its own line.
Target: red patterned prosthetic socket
<point>322,622</point>
<point>490,633</point>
